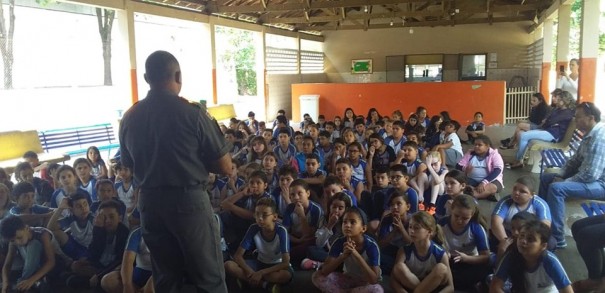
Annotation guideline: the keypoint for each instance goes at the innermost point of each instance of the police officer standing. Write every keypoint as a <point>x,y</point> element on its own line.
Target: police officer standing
<point>171,145</point>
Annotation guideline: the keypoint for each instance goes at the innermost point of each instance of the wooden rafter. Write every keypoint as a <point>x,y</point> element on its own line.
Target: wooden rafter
<point>318,15</point>
<point>273,18</point>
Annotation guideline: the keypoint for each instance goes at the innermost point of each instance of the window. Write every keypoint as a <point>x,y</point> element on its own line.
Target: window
<point>472,66</point>
<point>423,68</point>
<point>311,56</point>
<point>281,54</point>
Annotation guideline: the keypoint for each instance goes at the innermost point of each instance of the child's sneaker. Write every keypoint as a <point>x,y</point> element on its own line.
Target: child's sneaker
<point>309,264</point>
<point>421,207</point>
<point>431,210</point>
<point>273,288</point>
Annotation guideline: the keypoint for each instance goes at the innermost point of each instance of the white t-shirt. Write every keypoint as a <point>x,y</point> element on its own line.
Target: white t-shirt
<point>568,84</point>
<point>456,145</point>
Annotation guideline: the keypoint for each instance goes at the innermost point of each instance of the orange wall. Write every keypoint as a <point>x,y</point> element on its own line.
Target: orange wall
<point>461,99</point>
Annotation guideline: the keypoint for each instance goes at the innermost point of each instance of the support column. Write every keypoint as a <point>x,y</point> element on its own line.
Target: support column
<point>265,82</point>
<point>547,40</point>
<point>589,49</point>
<point>126,27</point>
<point>563,37</point>
<point>213,54</point>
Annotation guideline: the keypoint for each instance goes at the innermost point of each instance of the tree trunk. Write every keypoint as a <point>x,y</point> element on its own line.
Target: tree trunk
<point>6,43</point>
<point>105,19</point>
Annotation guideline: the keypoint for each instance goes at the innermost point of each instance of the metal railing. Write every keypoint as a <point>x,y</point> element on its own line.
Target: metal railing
<point>517,103</point>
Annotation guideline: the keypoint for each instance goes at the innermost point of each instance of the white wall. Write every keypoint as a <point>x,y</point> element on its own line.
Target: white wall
<point>508,40</point>
<point>280,91</point>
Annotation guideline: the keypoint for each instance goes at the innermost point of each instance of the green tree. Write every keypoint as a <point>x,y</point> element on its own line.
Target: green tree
<point>240,57</point>
<point>575,29</point>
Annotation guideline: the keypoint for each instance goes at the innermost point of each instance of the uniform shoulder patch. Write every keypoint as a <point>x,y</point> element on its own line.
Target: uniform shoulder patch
<point>201,107</point>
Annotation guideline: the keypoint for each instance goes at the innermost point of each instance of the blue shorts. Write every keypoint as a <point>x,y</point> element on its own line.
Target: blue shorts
<point>140,277</point>
<point>257,265</point>
<point>74,249</point>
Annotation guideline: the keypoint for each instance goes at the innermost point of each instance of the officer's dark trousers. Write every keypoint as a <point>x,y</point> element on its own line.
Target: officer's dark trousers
<point>182,235</point>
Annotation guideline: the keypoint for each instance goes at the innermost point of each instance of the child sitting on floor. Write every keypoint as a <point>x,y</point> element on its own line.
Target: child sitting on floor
<point>281,195</point>
<point>530,266</point>
<point>477,127</point>
<point>87,182</point>
<point>131,278</point>
<point>34,245</point>
<point>31,214</point>
<point>484,168</point>
<point>301,219</point>
<point>43,190</point>
<point>238,209</point>
<point>449,146</point>
<point>272,267</point>
<point>105,251</point>
<point>128,191</point>
<point>423,266</point>
<point>330,230</point>
<point>80,224</point>
<point>357,253</point>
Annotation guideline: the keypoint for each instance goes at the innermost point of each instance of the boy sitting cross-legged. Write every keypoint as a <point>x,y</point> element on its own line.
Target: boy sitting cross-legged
<point>80,223</point>
<point>301,219</point>
<point>399,178</point>
<point>34,245</point>
<point>32,214</point>
<point>135,272</point>
<point>105,251</point>
<point>106,192</point>
<point>272,267</point>
<point>314,176</point>
<point>238,209</point>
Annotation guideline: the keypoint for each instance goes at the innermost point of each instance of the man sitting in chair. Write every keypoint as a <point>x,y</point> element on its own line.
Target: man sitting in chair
<point>582,176</point>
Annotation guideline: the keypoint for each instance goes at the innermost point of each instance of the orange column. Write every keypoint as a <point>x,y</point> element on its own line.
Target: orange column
<point>588,78</point>
<point>214,92</point>
<point>545,79</point>
<point>134,89</point>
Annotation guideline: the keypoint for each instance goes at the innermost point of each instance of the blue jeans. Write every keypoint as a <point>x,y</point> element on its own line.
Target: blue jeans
<point>556,193</point>
<point>525,137</point>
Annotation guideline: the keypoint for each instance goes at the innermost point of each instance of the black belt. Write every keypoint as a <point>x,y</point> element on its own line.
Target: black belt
<point>173,188</point>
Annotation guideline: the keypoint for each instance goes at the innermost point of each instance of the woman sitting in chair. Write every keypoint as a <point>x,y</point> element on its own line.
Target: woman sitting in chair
<point>553,129</point>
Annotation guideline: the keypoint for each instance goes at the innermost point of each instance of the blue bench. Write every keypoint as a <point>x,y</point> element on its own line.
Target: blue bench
<point>76,140</point>
<point>593,208</point>
<point>556,157</point>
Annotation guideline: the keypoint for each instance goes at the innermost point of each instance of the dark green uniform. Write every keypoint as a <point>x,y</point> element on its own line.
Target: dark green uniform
<point>169,143</point>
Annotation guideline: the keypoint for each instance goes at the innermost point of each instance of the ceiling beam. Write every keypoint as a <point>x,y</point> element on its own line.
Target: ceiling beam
<point>214,8</point>
<point>548,13</point>
<point>272,18</point>
<point>414,24</point>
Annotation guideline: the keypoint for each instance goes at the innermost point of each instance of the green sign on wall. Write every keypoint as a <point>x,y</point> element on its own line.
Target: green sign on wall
<point>361,66</point>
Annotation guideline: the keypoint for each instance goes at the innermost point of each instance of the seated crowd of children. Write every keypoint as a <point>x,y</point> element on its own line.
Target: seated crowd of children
<point>354,198</point>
